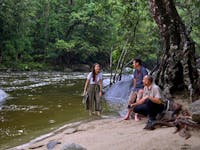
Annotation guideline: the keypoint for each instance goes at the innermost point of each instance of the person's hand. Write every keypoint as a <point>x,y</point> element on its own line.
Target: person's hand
<point>133,105</point>
<point>146,97</point>
<point>141,101</point>
<point>100,93</point>
<point>84,93</point>
<point>133,88</point>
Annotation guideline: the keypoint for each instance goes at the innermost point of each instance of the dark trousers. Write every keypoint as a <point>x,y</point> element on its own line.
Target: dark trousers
<point>149,108</point>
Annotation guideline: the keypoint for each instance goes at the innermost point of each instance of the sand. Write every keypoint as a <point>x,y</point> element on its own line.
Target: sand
<point>115,134</point>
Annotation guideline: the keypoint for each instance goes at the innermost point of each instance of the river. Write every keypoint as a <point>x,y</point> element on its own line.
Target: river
<point>39,102</point>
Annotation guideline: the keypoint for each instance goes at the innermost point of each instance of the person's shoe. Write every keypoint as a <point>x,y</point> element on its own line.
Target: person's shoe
<point>149,125</point>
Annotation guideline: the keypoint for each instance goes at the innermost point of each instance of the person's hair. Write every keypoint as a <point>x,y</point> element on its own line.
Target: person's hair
<point>137,60</point>
<point>93,71</point>
<point>150,78</point>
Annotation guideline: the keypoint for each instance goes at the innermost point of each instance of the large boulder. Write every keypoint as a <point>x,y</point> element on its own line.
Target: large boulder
<point>3,96</point>
<point>67,69</point>
<point>195,111</point>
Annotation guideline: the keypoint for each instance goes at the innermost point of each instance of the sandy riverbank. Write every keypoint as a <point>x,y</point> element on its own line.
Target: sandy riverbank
<point>116,134</point>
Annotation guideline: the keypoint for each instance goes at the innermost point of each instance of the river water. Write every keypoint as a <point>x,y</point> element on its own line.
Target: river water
<point>39,102</point>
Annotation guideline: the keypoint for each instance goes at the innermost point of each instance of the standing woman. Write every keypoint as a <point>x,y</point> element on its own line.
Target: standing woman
<point>93,86</point>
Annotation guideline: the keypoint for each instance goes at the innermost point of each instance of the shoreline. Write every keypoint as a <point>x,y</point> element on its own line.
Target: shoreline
<point>54,132</point>
<point>113,133</point>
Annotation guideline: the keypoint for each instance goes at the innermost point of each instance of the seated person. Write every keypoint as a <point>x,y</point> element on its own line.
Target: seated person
<point>134,97</point>
<point>138,86</point>
<point>151,102</point>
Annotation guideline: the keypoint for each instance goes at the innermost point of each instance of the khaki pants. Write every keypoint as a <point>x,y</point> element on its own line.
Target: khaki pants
<point>134,96</point>
<point>94,100</point>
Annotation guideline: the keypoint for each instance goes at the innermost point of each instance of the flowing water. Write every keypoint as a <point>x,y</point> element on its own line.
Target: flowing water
<point>39,102</point>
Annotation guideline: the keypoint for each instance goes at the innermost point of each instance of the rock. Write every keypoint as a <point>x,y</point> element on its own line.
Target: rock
<point>73,146</point>
<point>195,111</point>
<point>81,68</point>
<point>196,117</point>
<point>3,95</point>
<point>128,70</point>
<point>52,144</point>
<point>70,131</point>
<point>36,147</point>
<point>67,70</point>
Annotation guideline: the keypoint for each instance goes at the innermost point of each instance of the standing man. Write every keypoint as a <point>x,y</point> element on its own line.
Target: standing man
<point>138,86</point>
<point>151,102</point>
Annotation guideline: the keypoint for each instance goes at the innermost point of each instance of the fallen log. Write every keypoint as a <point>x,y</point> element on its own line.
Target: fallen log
<point>177,117</point>
<point>184,126</point>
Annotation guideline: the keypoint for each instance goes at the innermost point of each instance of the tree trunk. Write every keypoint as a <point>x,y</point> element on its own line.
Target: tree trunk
<point>70,2</point>
<point>1,56</point>
<point>177,70</point>
<point>46,28</point>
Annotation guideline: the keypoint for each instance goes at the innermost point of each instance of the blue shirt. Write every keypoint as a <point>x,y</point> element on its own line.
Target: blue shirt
<point>138,75</point>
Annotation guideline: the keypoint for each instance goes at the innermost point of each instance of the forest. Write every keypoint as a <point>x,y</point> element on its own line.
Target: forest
<point>56,34</point>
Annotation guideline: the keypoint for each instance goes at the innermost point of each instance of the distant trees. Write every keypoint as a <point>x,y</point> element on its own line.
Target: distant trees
<point>40,34</point>
<point>14,31</point>
<point>54,32</point>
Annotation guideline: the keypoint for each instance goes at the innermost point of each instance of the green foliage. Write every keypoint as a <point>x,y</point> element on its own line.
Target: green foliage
<point>141,32</point>
<point>64,46</point>
<point>189,10</point>
<point>35,33</point>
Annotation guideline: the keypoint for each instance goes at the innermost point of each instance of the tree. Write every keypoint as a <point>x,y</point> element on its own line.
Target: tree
<point>177,70</point>
<point>190,12</point>
<point>141,30</point>
<point>14,29</point>
<point>40,33</point>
